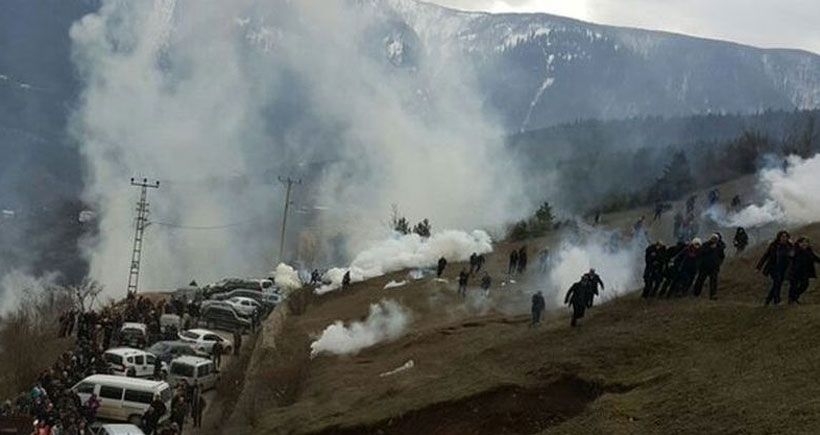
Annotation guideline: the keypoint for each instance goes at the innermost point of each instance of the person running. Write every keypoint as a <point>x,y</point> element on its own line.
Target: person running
<point>711,258</point>
<point>774,264</point>
<point>741,240</point>
<point>671,269</point>
<point>654,257</point>
<point>577,298</point>
<point>592,281</point>
<point>802,269</point>
<point>538,306</point>
<point>463,277</point>
<point>688,269</point>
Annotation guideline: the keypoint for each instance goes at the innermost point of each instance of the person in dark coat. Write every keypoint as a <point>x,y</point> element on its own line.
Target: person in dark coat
<point>775,263</point>
<point>654,257</point>
<point>237,341</point>
<point>538,306</point>
<point>513,262</point>
<point>671,268</point>
<point>463,277</point>
<point>592,280</point>
<point>741,240</point>
<point>346,280</point>
<point>216,354</point>
<point>802,269</point>
<point>480,260</point>
<point>577,297</point>
<point>711,257</point>
<point>688,267</point>
<point>442,263</point>
<point>486,283</point>
<point>198,405</point>
<point>522,259</point>
<point>473,262</point>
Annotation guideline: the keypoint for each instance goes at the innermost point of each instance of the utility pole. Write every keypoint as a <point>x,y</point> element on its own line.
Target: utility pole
<point>288,182</point>
<point>142,222</point>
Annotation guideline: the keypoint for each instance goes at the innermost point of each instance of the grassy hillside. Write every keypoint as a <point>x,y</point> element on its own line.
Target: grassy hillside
<point>633,366</point>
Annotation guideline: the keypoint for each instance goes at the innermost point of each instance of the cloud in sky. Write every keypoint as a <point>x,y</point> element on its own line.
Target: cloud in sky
<point>766,23</point>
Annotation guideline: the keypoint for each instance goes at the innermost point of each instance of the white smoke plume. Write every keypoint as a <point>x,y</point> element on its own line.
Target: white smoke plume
<point>618,262</point>
<point>287,278</point>
<point>216,99</point>
<point>790,197</point>
<point>407,252</point>
<point>387,321</point>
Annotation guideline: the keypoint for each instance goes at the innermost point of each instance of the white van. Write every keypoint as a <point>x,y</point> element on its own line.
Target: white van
<point>124,399</point>
<point>135,363</point>
<point>194,370</point>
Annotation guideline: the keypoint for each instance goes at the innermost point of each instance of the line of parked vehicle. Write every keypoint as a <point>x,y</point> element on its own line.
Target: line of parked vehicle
<point>129,390</point>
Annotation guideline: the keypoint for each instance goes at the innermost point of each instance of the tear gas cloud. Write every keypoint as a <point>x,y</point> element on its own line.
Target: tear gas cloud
<point>286,277</point>
<point>217,98</point>
<point>408,252</point>
<point>790,197</point>
<point>618,263</point>
<point>387,321</point>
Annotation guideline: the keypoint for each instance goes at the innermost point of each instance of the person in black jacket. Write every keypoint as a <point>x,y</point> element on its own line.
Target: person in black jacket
<point>442,264</point>
<point>538,306</point>
<point>711,258</point>
<point>741,240</point>
<point>688,259</point>
<point>513,262</point>
<point>577,298</point>
<point>671,268</point>
<point>592,281</point>
<point>654,258</point>
<point>802,269</point>
<point>774,264</point>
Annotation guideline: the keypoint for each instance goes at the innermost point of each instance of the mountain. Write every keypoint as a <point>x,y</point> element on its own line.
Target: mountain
<point>538,70</point>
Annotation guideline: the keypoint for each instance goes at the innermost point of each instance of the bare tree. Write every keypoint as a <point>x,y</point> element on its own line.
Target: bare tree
<point>84,294</point>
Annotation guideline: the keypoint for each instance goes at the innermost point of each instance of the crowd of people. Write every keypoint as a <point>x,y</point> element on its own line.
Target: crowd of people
<point>58,410</point>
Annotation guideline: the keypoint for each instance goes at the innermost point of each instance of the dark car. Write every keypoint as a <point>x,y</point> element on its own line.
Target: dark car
<point>224,318</point>
<point>168,350</point>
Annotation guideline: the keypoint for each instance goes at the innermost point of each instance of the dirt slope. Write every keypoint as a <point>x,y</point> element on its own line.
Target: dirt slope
<point>634,366</point>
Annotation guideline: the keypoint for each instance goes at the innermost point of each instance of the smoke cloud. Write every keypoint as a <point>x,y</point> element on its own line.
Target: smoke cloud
<point>408,252</point>
<point>217,99</point>
<point>387,321</point>
<point>286,277</point>
<point>790,197</point>
<point>617,261</point>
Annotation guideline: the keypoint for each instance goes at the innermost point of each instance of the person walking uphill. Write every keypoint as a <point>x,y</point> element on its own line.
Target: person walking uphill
<point>442,263</point>
<point>513,262</point>
<point>463,277</point>
<point>775,263</point>
<point>712,254</point>
<point>802,269</point>
<point>538,306</point>
<point>577,298</point>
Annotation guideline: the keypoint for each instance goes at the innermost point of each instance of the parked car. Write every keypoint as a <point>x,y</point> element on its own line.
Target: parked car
<point>124,399</point>
<point>203,340</point>
<point>115,429</point>
<point>168,350</point>
<point>194,370</point>
<point>126,361</point>
<point>133,335</point>
<point>246,306</point>
<point>225,317</point>
<point>268,301</point>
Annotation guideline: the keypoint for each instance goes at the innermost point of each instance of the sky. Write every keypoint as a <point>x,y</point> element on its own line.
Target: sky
<point>763,23</point>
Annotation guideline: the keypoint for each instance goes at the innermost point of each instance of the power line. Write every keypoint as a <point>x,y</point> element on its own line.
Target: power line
<point>208,227</point>
<point>142,222</point>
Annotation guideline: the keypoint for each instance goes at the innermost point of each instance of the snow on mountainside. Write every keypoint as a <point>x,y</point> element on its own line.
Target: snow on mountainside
<point>538,69</point>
